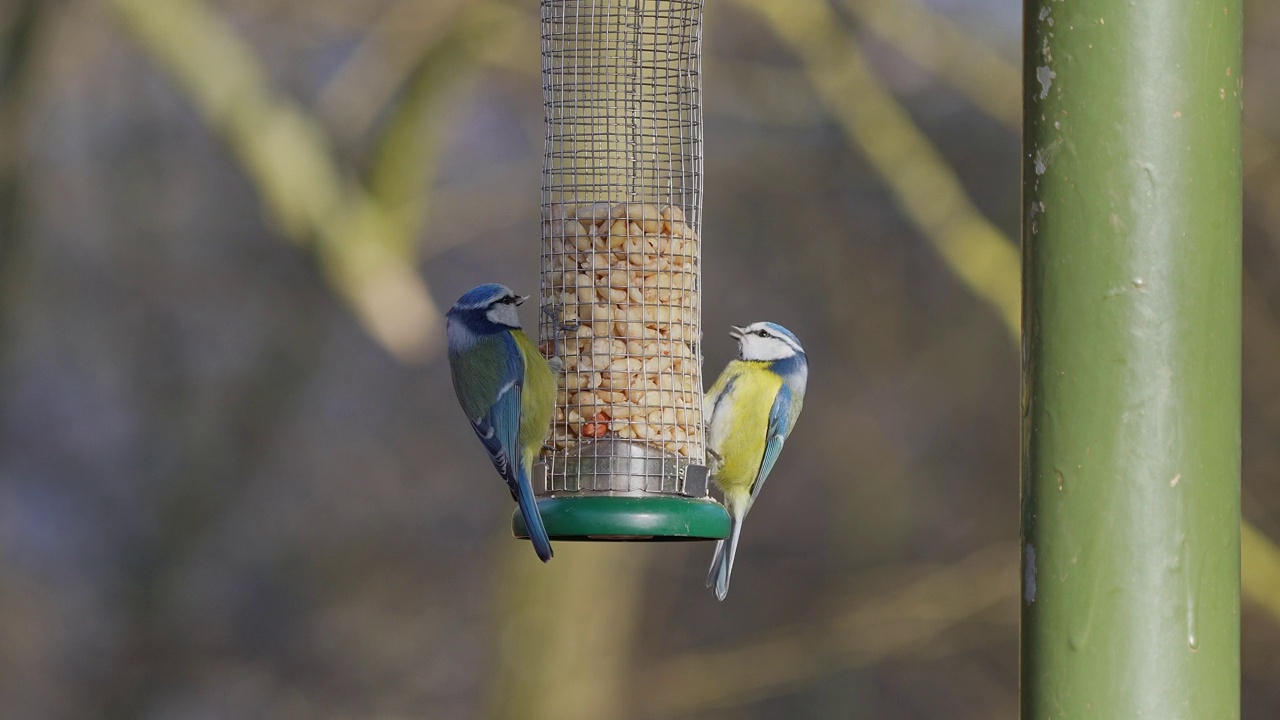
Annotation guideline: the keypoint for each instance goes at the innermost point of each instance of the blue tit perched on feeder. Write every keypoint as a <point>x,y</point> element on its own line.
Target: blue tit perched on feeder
<point>751,409</point>
<point>507,390</point>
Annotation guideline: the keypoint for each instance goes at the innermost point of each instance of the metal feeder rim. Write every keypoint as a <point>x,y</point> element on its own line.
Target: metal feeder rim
<point>691,480</point>
<point>628,518</point>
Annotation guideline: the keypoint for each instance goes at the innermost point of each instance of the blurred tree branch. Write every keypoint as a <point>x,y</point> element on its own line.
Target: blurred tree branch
<point>361,250</point>
<point>1261,574</point>
<point>910,616</point>
<point>946,50</point>
<point>993,85</point>
<point>920,179</point>
<point>404,157</point>
<point>389,53</point>
<point>21,24</point>
<point>19,27</point>
<point>1262,180</point>
<point>416,60</point>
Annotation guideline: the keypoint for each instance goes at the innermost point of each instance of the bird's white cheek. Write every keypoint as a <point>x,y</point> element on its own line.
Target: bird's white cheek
<point>758,348</point>
<point>503,315</point>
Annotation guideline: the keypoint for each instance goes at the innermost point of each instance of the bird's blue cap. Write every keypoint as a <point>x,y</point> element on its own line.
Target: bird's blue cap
<point>775,327</point>
<point>481,296</point>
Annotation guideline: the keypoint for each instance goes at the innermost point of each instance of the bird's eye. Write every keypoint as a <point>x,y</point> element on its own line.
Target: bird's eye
<point>507,299</point>
<point>762,333</point>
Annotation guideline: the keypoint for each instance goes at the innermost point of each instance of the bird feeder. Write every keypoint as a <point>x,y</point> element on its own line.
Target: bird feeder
<point>620,283</point>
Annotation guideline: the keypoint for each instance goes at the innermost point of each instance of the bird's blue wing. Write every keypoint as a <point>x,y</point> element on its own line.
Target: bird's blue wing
<point>781,416</point>
<point>499,426</point>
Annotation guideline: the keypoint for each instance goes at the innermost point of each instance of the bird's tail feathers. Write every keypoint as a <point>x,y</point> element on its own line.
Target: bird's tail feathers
<point>532,518</point>
<point>722,563</point>
<point>715,563</point>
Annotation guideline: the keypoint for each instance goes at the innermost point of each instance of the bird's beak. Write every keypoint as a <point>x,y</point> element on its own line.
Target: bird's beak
<point>520,299</point>
<point>736,332</point>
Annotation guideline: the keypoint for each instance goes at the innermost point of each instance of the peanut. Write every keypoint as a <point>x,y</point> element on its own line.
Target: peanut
<point>595,212</point>
<point>622,280</point>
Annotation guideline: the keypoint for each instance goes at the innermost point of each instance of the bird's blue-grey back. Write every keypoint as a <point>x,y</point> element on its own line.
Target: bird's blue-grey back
<point>488,372</point>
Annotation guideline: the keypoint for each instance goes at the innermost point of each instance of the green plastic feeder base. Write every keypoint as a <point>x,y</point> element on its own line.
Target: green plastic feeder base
<point>626,517</point>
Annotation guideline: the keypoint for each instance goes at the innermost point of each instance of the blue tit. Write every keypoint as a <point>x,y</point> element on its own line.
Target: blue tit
<point>751,410</point>
<point>507,390</point>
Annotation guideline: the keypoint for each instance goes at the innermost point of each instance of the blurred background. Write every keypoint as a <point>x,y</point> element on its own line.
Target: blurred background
<point>234,482</point>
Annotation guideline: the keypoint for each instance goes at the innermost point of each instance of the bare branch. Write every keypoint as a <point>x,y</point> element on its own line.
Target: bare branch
<point>285,152</point>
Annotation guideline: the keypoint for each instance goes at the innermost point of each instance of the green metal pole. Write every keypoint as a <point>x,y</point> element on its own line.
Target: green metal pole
<point>1131,360</point>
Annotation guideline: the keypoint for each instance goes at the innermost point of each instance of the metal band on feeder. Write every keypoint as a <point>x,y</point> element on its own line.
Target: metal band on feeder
<point>621,272</point>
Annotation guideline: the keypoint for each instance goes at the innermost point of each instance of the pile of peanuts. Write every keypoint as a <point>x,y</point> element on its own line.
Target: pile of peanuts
<point>622,281</point>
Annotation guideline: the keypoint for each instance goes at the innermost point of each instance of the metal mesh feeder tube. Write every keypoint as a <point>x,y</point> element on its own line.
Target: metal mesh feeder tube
<point>621,272</point>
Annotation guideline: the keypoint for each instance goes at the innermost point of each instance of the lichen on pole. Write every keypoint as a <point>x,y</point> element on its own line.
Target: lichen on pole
<point>1131,360</point>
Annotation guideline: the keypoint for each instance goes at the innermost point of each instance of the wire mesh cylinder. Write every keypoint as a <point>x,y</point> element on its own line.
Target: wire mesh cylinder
<point>622,204</point>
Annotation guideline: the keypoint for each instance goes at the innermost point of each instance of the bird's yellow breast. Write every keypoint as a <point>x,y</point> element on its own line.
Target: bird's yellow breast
<point>537,400</point>
<point>738,428</point>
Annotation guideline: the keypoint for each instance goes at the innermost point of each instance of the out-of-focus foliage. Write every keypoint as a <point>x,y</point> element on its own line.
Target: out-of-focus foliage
<point>233,482</point>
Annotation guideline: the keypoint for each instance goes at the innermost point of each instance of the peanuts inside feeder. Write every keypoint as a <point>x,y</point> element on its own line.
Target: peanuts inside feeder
<point>621,272</point>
